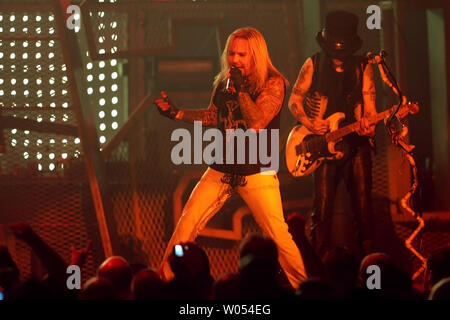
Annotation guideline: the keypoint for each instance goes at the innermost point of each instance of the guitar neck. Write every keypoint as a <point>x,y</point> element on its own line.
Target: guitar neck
<point>341,132</point>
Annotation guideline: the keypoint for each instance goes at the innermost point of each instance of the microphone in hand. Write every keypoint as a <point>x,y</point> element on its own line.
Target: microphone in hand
<point>237,78</point>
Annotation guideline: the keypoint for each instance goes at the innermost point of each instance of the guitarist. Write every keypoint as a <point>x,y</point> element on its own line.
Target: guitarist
<point>346,81</point>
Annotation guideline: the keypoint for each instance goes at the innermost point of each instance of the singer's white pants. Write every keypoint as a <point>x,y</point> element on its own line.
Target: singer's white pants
<point>262,196</point>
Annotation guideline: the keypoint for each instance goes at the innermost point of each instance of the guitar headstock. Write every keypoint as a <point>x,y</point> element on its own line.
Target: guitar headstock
<point>408,108</point>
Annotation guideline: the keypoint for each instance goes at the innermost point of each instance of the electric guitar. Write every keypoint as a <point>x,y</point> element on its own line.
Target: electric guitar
<point>305,151</point>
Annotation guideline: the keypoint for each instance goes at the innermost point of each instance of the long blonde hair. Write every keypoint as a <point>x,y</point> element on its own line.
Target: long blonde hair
<point>263,67</point>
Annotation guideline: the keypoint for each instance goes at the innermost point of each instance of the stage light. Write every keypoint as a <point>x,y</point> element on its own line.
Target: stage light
<point>114,125</point>
<point>114,113</point>
<point>101,114</point>
<point>102,127</point>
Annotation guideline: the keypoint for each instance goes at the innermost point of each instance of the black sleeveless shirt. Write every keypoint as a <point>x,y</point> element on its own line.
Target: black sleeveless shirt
<point>229,116</point>
<point>343,89</point>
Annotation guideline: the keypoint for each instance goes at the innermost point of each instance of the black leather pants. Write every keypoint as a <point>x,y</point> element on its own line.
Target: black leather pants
<point>356,170</point>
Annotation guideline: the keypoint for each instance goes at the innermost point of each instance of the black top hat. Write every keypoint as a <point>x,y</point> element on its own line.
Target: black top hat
<point>339,37</point>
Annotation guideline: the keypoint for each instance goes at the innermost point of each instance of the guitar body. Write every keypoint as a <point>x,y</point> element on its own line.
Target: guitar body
<point>305,151</point>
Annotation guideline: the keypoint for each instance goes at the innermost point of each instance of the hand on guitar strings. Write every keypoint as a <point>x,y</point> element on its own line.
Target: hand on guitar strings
<point>366,128</point>
<point>319,126</point>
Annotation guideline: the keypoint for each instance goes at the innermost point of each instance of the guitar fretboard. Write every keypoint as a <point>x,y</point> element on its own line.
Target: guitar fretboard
<point>341,132</point>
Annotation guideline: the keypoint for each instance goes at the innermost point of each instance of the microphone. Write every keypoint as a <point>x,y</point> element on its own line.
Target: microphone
<point>227,87</point>
<point>230,83</point>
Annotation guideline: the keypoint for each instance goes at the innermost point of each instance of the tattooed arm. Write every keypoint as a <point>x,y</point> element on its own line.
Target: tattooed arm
<point>299,91</point>
<point>258,114</point>
<point>369,100</point>
<point>208,117</point>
